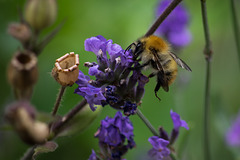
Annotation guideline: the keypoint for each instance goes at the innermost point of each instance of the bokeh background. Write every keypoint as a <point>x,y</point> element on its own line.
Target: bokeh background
<point>124,21</point>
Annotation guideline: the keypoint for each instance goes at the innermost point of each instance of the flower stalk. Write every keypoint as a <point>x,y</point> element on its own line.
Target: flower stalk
<point>56,128</point>
<point>235,29</point>
<point>58,100</point>
<point>148,124</point>
<point>162,17</point>
<point>208,56</point>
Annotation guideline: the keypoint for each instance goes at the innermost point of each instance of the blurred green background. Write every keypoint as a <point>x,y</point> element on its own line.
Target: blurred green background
<point>123,22</point>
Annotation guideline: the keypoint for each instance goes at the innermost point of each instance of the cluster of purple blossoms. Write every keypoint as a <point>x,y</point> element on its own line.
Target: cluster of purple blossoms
<point>160,150</point>
<point>175,27</point>
<point>233,134</point>
<point>114,84</point>
<point>112,135</point>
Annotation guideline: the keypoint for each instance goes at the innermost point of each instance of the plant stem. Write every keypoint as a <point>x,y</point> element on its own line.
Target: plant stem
<point>58,100</point>
<point>208,57</point>
<point>235,29</point>
<point>59,124</point>
<point>148,124</point>
<point>29,153</point>
<point>162,17</point>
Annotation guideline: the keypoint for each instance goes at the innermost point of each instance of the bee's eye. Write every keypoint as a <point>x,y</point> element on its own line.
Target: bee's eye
<point>139,45</point>
<point>138,49</point>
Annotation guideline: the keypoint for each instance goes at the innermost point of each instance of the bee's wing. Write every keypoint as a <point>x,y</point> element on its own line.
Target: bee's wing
<point>180,62</point>
<point>161,78</point>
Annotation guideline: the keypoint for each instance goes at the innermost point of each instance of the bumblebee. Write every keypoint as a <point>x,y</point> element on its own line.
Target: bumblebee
<point>154,52</point>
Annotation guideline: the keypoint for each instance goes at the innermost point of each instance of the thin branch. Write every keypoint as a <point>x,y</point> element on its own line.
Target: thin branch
<point>162,17</point>
<point>28,155</point>
<point>235,29</point>
<point>208,57</point>
<point>148,124</point>
<point>57,126</point>
<point>58,100</point>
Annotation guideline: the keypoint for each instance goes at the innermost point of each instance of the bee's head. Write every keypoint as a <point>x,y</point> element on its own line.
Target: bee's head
<point>136,48</point>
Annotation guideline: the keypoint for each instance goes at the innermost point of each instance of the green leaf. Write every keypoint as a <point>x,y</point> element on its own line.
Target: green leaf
<point>49,146</point>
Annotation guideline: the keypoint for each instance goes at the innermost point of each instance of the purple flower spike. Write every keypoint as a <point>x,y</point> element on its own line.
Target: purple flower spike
<point>113,129</point>
<point>159,150</point>
<point>124,125</point>
<point>175,27</point>
<point>233,134</point>
<point>177,122</point>
<point>93,156</point>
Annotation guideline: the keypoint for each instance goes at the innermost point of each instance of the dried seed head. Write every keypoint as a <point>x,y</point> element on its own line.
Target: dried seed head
<point>40,13</point>
<point>21,115</point>
<point>66,70</point>
<point>23,73</point>
<point>20,31</point>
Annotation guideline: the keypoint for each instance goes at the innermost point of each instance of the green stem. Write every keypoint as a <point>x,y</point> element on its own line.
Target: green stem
<point>206,114</point>
<point>58,100</point>
<point>148,124</point>
<point>29,153</point>
<point>173,156</point>
<point>162,17</point>
<point>208,57</point>
<point>235,29</point>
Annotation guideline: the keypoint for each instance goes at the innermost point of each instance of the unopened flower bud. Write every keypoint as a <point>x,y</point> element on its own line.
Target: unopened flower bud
<point>23,73</point>
<point>140,88</point>
<point>66,70</point>
<point>20,31</point>
<point>21,116</point>
<point>40,13</point>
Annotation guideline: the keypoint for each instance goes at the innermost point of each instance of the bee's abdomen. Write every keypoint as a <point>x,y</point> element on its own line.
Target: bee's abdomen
<point>170,70</point>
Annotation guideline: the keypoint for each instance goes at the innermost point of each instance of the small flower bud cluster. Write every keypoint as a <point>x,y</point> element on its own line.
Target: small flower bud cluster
<point>22,71</point>
<point>114,83</point>
<point>162,145</point>
<point>112,135</point>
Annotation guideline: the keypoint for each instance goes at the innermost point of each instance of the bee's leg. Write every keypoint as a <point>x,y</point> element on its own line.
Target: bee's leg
<point>140,66</point>
<point>152,75</point>
<point>157,87</point>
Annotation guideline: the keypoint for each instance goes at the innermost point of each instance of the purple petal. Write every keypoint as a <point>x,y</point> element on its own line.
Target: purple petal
<point>93,70</point>
<point>177,122</point>
<point>114,50</point>
<point>93,156</point>
<point>180,39</point>
<point>233,134</point>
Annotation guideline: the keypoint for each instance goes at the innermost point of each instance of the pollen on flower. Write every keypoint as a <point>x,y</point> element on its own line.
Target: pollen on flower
<point>66,71</point>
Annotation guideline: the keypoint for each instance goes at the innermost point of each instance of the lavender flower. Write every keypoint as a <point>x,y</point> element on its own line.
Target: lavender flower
<point>174,28</point>
<point>92,94</point>
<point>113,133</point>
<point>233,134</point>
<point>93,156</point>
<point>113,84</point>
<point>160,150</point>
<point>177,121</point>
